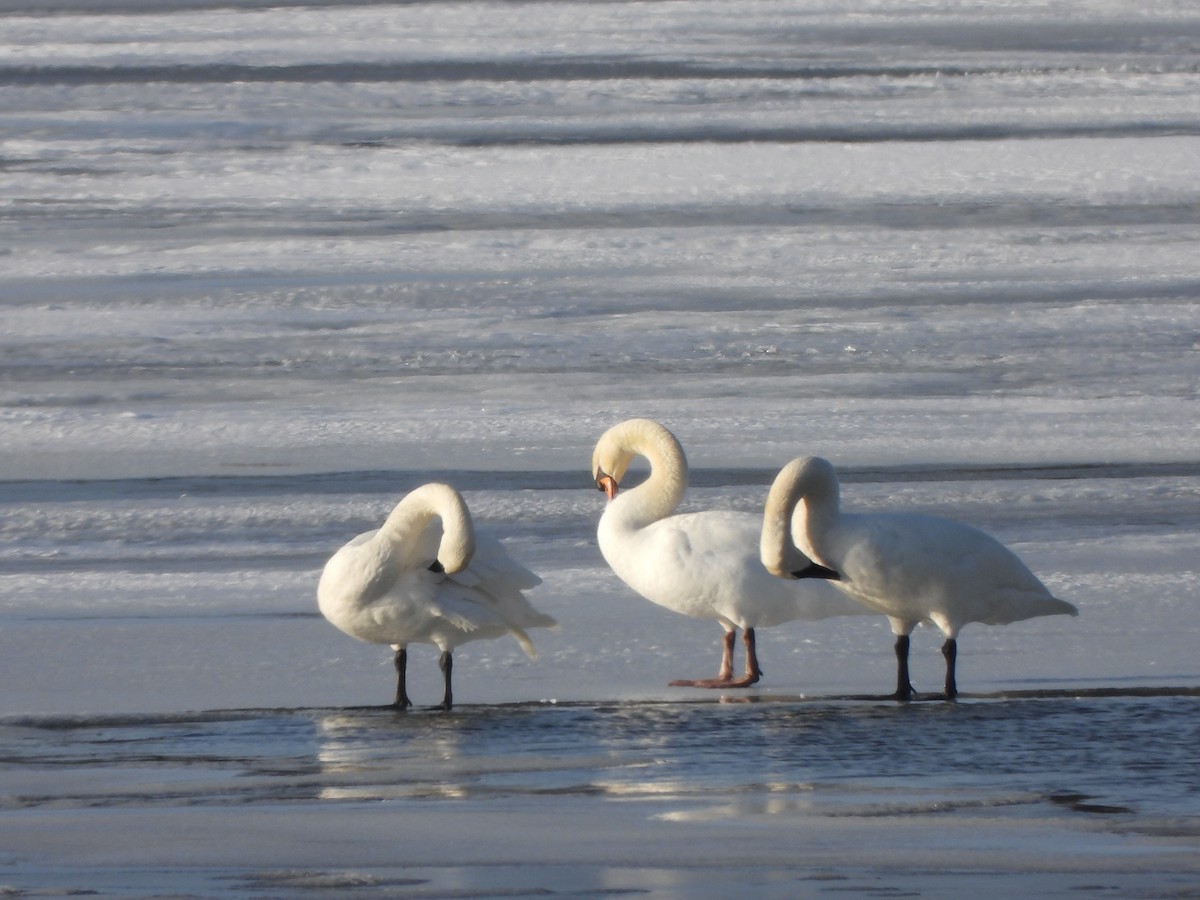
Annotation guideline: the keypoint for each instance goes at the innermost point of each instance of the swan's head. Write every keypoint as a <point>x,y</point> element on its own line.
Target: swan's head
<point>787,561</point>
<point>607,483</point>
<point>608,470</point>
<point>611,459</point>
<point>816,570</point>
<point>634,437</point>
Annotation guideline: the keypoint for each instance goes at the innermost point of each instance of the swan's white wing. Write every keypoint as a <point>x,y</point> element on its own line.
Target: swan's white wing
<point>377,604</point>
<point>679,562</point>
<point>493,565</point>
<point>497,581</point>
<point>475,614</point>
<point>924,564</point>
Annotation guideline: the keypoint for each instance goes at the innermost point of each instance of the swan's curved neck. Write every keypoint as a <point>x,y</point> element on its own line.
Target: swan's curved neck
<point>805,493</point>
<point>413,514</point>
<point>659,495</point>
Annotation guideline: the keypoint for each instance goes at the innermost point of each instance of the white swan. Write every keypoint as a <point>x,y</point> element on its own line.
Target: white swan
<point>912,568</point>
<point>425,576</point>
<point>702,564</point>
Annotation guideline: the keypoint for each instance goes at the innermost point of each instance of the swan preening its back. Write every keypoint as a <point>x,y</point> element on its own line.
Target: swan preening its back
<point>426,576</point>
<point>703,564</point>
<point>912,568</point>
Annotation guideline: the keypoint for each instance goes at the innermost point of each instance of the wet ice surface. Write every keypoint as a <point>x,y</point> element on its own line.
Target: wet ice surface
<point>785,796</point>
<point>265,268</point>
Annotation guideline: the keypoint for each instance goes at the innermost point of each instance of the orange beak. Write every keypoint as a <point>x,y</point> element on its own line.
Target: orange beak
<point>608,484</point>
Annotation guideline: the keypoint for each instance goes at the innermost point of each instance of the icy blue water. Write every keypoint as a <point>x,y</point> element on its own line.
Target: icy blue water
<point>862,757</point>
<point>266,267</point>
<point>725,788</point>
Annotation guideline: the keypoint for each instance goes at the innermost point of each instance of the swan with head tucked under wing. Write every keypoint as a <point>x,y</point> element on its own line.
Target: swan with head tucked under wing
<point>426,576</point>
<point>912,568</point>
<point>702,564</point>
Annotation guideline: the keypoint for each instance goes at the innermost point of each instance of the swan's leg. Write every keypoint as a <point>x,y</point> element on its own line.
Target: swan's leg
<point>725,675</point>
<point>753,672</point>
<point>728,641</point>
<point>950,651</point>
<point>904,688</point>
<point>446,664</point>
<point>753,669</point>
<point>401,663</point>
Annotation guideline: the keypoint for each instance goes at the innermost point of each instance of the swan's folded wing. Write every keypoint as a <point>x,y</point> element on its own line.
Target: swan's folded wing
<point>493,566</point>
<point>500,581</point>
<point>511,605</point>
<point>476,614</point>
<point>465,617</point>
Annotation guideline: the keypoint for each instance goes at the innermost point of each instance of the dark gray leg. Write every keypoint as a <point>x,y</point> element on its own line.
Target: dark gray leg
<point>446,664</point>
<point>401,662</point>
<point>950,651</point>
<point>904,688</point>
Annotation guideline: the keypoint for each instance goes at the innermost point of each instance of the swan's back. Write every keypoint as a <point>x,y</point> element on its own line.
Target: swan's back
<point>926,567</point>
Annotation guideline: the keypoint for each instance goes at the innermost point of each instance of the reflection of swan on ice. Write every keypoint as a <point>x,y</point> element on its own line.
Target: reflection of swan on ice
<point>703,564</point>
<point>368,754</point>
<point>363,755</point>
<point>912,568</point>
<point>425,576</point>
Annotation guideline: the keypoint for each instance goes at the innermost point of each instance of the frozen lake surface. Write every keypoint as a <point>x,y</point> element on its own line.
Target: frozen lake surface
<point>779,798</point>
<point>264,268</point>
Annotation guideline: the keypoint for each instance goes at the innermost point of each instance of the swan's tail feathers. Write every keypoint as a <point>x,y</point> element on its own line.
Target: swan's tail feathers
<point>523,640</point>
<point>1059,607</point>
<point>1042,606</point>
<point>534,619</point>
